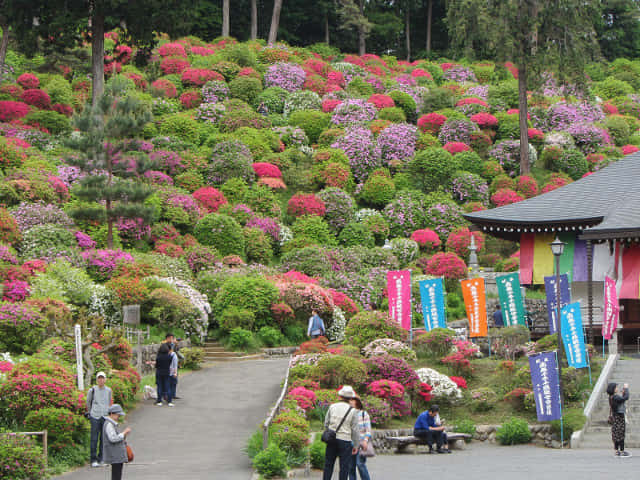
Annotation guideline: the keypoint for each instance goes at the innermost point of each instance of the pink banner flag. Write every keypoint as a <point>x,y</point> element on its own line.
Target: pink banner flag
<point>611,308</point>
<point>399,288</point>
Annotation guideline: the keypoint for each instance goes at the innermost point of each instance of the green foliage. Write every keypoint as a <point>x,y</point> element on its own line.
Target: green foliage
<point>611,87</point>
<point>367,326</point>
<point>406,103</point>
<point>514,431</point>
<point>378,190</point>
<point>235,317</point>
<point>241,339</point>
<point>437,99</point>
<point>44,240</point>
<point>393,114</point>
<point>504,93</point>
<point>358,87</point>
<point>63,282</point>
<point>547,343</point>
<point>21,458</point>
<point>432,168</point>
<point>245,88</point>
<point>273,98</point>
<point>572,162</point>
<point>573,420</point>
<point>258,246</point>
<point>313,122</point>
<point>435,343</point>
<point>62,425</point>
<point>354,234</point>
<point>59,89</point>
<point>317,452</point>
<point>270,337</point>
<point>619,129</point>
<point>55,122</point>
<point>466,426</point>
<point>314,230</point>
<point>221,232</point>
<point>193,357</point>
<point>336,370</point>
<point>253,293</point>
<point>271,462</point>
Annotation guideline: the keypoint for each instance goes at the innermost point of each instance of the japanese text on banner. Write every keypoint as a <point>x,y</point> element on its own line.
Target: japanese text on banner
<point>573,336</point>
<point>511,300</point>
<point>552,305</point>
<point>399,288</point>
<point>475,303</point>
<point>432,298</point>
<point>546,390</point>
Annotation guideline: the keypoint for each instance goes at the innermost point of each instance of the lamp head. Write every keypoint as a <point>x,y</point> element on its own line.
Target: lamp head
<point>557,247</point>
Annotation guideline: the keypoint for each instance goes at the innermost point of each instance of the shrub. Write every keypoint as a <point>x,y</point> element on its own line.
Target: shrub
<point>9,232</point>
<point>305,204</point>
<point>182,127</point>
<point>221,232</point>
<point>448,265</point>
<point>393,114</point>
<point>245,88</point>
<point>241,339</point>
<point>572,162</point>
<point>339,207</point>
<point>52,121</point>
<point>271,462</point>
<point>336,370</point>
<point>483,399</point>
<point>37,98</point>
<point>313,229</point>
<point>317,452</point>
<point>406,103</point>
<point>271,337</point>
<point>432,168</point>
<point>386,346</point>
<point>63,426</point>
<point>466,426</point>
<point>10,156</point>
<point>193,357</point>
<point>258,246</point>
<point>391,368</point>
<point>367,326</point>
<point>573,420</point>
<point>230,159</point>
<point>253,293</point>
<point>21,458</point>
<point>378,190</point>
<point>235,317</point>
<point>355,234</point>
<point>436,343</point>
<point>619,129</point>
<point>313,122</point>
<point>513,431</point>
<point>10,110</point>
<point>21,328</point>
<point>379,410</point>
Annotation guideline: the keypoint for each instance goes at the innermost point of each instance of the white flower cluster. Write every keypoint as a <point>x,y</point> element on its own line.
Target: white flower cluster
<point>5,357</point>
<point>197,299</point>
<point>388,346</point>
<point>365,213</point>
<point>285,235</point>
<point>336,331</point>
<point>102,302</point>
<point>443,386</point>
<point>306,359</point>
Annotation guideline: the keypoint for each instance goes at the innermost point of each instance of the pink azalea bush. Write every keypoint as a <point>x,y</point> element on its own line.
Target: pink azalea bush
<point>505,196</point>
<point>447,265</point>
<point>210,198</point>
<point>306,204</point>
<point>426,239</point>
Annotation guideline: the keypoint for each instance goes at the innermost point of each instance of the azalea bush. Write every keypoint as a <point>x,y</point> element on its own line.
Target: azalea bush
<point>368,326</point>
<point>387,346</point>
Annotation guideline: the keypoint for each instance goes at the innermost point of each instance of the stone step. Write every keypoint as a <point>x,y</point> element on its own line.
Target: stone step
<point>234,358</point>
<point>223,354</point>
<point>214,349</point>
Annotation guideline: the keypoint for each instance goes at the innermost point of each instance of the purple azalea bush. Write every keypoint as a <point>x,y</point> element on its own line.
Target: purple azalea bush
<point>398,142</point>
<point>28,215</point>
<point>361,149</point>
<point>457,131</point>
<point>268,225</point>
<point>340,207</point>
<point>562,115</point>
<point>289,76</point>
<point>353,111</point>
<point>459,73</point>
<point>588,137</point>
<point>443,218</point>
<point>469,187</point>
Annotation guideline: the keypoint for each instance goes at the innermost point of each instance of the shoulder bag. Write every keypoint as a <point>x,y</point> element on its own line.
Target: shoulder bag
<point>369,451</point>
<point>329,435</point>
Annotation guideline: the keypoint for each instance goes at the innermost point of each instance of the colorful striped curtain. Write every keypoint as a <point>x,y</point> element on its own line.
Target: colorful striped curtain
<point>526,258</point>
<point>542,258</point>
<point>630,272</point>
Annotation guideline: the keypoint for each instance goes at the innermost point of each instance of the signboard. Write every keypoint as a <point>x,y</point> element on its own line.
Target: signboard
<point>552,304</point>
<point>399,288</point>
<point>79,359</point>
<point>131,314</point>
<point>432,299</point>
<point>511,300</point>
<point>573,336</point>
<point>546,389</point>
<point>475,303</point>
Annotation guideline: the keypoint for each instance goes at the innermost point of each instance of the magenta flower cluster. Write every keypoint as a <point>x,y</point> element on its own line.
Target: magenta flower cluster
<point>28,215</point>
<point>103,263</point>
<point>85,242</point>
<point>361,149</point>
<point>354,111</point>
<point>397,142</point>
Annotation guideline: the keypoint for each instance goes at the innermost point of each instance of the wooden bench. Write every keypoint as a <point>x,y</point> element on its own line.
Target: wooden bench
<point>401,443</point>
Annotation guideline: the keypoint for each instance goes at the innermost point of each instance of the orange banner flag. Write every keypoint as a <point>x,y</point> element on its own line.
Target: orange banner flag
<point>475,303</point>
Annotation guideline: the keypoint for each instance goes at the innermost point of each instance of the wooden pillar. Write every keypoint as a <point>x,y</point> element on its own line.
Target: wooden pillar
<point>590,337</point>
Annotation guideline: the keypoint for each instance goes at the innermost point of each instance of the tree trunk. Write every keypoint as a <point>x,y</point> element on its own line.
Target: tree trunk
<point>275,22</point>
<point>429,21</point>
<point>225,18</point>
<point>522,111</point>
<point>362,47</point>
<point>97,56</point>
<point>407,32</point>
<point>3,46</point>
<point>254,19</point>
<point>326,28</point>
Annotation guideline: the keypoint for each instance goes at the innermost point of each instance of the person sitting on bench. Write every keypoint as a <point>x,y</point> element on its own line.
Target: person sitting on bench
<point>429,427</point>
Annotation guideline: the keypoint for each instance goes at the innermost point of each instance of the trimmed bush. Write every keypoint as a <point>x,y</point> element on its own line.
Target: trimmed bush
<point>513,431</point>
<point>245,88</point>
<point>336,370</point>
<point>432,168</point>
<point>355,234</point>
<point>367,326</point>
<point>21,458</point>
<point>63,426</point>
<point>313,122</point>
<point>242,339</point>
<point>252,293</point>
<point>378,190</point>
<point>221,232</point>
<point>271,462</point>
<point>22,328</point>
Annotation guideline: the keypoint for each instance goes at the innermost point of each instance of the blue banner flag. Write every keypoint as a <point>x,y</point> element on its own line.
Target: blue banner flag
<point>573,336</point>
<point>432,297</point>
<point>552,304</point>
<point>546,390</point>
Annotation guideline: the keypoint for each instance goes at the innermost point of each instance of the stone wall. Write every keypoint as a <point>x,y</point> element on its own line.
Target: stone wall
<point>145,363</point>
<point>541,435</point>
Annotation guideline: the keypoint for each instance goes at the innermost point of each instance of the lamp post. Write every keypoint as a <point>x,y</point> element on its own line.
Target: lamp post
<point>557,247</point>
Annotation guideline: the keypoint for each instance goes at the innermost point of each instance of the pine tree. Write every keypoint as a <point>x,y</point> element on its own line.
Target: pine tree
<point>106,132</point>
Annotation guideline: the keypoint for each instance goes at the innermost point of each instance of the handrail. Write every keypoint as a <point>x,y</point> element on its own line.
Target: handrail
<point>276,408</point>
<point>45,442</point>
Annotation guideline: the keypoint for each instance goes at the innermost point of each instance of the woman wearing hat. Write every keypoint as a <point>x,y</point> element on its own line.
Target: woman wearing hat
<point>342,419</point>
<point>115,447</point>
<point>617,417</point>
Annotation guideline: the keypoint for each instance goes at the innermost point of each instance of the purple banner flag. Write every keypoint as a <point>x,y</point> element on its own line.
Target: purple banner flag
<point>580,261</point>
<point>552,303</point>
<point>546,390</point>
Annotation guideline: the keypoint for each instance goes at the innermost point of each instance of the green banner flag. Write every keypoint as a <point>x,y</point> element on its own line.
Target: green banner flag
<point>511,300</point>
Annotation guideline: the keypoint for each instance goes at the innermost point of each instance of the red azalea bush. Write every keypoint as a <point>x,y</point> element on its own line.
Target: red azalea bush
<point>9,231</point>
<point>459,381</point>
<point>629,149</point>
<point>526,186</point>
<point>62,108</point>
<point>169,249</point>
<point>343,302</point>
<point>535,135</point>
<point>317,345</point>
<point>471,101</point>
<point>37,98</point>
<point>419,72</point>
<point>174,65</point>
<point>12,90</point>
<point>138,79</point>
<point>395,369</point>
<point>473,207</point>
<point>458,363</point>
<point>15,291</point>
<point>426,239</point>
<point>425,392</point>
<point>330,105</point>
<point>505,196</point>
<point>556,181</point>
<point>610,109</point>
<point>305,204</point>
<point>448,265</point>
<point>431,122</point>
<point>210,198</point>
<point>264,169</point>
<point>306,399</point>
<point>484,120</point>
<point>460,239</point>
<point>386,389</point>
<point>381,101</point>
<point>456,147</point>
<point>10,110</point>
<point>164,86</point>
<point>516,397</point>
<point>191,99</point>
<point>28,81</point>
<point>273,183</point>
<point>172,50</point>
<point>200,76</point>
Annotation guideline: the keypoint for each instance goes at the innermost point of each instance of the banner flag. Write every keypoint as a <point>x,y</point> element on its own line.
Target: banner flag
<point>552,304</point>
<point>432,297</point>
<point>573,336</point>
<point>399,288</point>
<point>511,300</point>
<point>475,303</point>
<point>546,389</point>
<point>580,273</point>
<point>611,309</point>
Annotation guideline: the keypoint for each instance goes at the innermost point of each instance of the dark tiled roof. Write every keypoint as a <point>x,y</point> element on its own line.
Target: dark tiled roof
<point>609,198</point>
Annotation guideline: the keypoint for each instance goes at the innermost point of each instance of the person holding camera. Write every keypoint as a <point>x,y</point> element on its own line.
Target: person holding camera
<point>617,411</point>
<point>99,399</point>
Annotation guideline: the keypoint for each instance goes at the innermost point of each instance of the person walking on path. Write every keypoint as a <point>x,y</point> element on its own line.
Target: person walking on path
<point>617,417</point>
<point>163,366</point>
<point>498,321</point>
<point>99,399</point>
<point>342,419</point>
<point>315,328</point>
<point>359,461</point>
<point>115,447</point>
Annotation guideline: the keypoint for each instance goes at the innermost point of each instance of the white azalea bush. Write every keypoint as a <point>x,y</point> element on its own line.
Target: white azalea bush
<point>443,387</point>
<point>388,346</point>
<point>336,331</point>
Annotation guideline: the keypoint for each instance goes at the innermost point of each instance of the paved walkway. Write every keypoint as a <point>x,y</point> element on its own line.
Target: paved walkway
<point>204,435</point>
<point>492,462</point>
